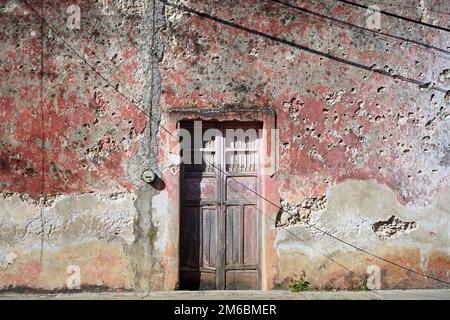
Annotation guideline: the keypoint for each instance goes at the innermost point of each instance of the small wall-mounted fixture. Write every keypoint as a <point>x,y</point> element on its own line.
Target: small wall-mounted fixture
<point>148,176</point>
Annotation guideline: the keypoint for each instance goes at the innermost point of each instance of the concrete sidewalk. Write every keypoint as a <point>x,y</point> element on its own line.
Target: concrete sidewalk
<point>426,294</point>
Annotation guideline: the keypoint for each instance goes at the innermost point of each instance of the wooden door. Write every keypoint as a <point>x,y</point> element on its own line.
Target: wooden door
<point>219,227</point>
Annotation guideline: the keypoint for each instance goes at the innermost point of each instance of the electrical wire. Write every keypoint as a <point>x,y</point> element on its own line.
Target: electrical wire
<point>304,48</point>
<point>429,25</point>
<point>362,30</point>
<point>397,4</point>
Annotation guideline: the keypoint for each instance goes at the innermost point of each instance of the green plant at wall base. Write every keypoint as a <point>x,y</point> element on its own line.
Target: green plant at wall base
<point>300,285</point>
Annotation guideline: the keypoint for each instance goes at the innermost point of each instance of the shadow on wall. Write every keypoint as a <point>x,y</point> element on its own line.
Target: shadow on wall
<point>190,239</point>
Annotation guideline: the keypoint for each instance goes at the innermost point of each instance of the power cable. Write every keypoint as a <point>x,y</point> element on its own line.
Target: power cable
<point>348,25</point>
<point>397,4</point>
<point>395,15</point>
<point>303,48</point>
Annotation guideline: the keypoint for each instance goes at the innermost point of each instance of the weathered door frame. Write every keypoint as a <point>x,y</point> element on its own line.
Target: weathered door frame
<point>169,247</point>
<point>221,203</point>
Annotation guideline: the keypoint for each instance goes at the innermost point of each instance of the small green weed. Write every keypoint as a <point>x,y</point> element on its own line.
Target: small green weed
<point>300,284</point>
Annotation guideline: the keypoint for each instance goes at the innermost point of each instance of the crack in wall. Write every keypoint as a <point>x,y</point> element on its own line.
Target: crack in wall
<point>393,227</point>
<point>292,214</point>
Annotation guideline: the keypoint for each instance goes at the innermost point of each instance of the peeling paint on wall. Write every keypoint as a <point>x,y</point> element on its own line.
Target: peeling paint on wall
<point>353,208</point>
<point>393,227</point>
<point>300,214</point>
<point>132,7</point>
<point>67,219</point>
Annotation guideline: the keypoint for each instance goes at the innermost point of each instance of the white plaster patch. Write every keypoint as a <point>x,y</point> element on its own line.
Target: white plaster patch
<point>173,15</point>
<point>160,205</point>
<point>354,206</point>
<point>132,7</point>
<point>126,7</point>
<point>7,258</point>
<point>67,219</point>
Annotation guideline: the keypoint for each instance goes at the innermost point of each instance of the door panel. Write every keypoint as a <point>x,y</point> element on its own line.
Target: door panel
<point>195,280</point>
<point>198,254</point>
<point>251,235</point>
<point>200,189</point>
<point>241,280</point>
<point>219,231</point>
<point>209,237</point>
<point>241,188</point>
<point>233,235</point>
<point>190,223</point>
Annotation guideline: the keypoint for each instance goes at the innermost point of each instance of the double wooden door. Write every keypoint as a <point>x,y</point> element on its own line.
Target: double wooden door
<point>220,225</point>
